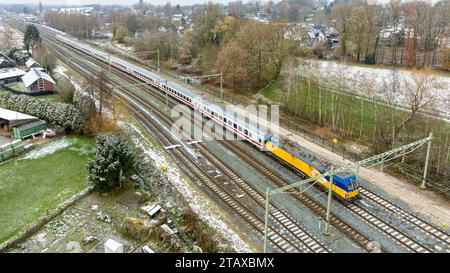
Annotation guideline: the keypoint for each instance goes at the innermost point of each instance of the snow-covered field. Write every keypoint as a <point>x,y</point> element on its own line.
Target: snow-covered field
<point>356,78</point>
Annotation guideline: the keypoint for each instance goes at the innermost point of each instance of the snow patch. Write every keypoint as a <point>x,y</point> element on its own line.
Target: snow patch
<point>49,149</point>
<point>353,79</point>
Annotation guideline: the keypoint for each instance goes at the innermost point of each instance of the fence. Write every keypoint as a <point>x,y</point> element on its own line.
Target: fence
<point>38,223</point>
<point>326,143</point>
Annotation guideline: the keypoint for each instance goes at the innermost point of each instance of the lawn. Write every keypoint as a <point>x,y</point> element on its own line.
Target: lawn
<point>40,180</point>
<point>272,90</point>
<point>53,97</point>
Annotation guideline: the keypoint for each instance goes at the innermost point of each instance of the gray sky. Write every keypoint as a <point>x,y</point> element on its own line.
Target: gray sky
<point>107,2</point>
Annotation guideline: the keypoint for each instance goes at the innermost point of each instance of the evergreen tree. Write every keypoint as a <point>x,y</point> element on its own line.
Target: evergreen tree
<point>31,39</point>
<point>113,164</point>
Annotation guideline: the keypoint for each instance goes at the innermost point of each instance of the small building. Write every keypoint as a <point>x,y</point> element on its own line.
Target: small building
<point>6,62</point>
<point>38,82</point>
<point>9,75</point>
<point>10,119</point>
<point>32,63</point>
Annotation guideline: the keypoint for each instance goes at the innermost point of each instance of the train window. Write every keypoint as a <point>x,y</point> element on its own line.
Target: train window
<point>230,123</point>
<point>240,129</point>
<point>235,125</point>
<point>259,141</point>
<point>225,120</point>
<point>245,132</point>
<point>212,113</point>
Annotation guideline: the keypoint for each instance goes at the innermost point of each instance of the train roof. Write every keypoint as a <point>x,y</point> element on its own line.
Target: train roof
<point>309,157</point>
<point>296,150</point>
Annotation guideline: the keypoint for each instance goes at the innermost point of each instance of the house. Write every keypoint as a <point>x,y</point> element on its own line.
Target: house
<point>32,63</point>
<point>38,82</point>
<point>9,75</point>
<point>6,62</point>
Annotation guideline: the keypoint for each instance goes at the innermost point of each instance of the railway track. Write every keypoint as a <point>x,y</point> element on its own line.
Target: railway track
<point>289,227</point>
<point>424,227</point>
<point>392,232</point>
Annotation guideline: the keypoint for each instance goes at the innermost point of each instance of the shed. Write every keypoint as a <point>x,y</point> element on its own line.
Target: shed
<point>38,81</point>
<point>11,74</point>
<point>30,63</point>
<point>10,119</point>
<point>29,129</point>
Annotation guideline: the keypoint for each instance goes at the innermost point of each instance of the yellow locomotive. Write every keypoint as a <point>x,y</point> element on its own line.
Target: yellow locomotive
<point>345,185</point>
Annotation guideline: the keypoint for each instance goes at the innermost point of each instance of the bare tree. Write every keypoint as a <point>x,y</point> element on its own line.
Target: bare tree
<point>420,94</point>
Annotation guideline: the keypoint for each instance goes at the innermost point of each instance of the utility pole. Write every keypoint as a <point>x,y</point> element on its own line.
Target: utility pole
<point>167,97</point>
<point>330,193</point>
<point>266,220</point>
<point>427,159</point>
<point>221,84</point>
<point>157,52</point>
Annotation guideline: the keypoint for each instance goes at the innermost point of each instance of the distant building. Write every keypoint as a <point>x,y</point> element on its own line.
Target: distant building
<point>38,82</point>
<point>32,19</point>
<point>9,75</point>
<point>31,63</point>
<point>6,62</point>
<point>77,10</point>
<point>139,33</point>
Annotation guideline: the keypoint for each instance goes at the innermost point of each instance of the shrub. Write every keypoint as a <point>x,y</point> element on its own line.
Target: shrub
<point>63,114</point>
<point>65,89</point>
<point>113,162</point>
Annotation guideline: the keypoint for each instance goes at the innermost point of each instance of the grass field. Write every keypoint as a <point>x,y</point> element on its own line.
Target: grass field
<point>40,180</point>
<point>52,97</point>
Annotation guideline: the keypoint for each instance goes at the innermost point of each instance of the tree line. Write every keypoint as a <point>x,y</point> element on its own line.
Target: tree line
<point>413,33</point>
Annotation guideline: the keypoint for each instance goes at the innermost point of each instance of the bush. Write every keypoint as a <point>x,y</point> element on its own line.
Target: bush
<point>63,114</point>
<point>65,89</point>
<point>113,163</point>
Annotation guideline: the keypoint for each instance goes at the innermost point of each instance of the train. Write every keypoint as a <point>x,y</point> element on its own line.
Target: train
<point>345,186</point>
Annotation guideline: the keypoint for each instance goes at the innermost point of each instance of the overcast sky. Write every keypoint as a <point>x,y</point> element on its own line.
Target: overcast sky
<point>107,2</point>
